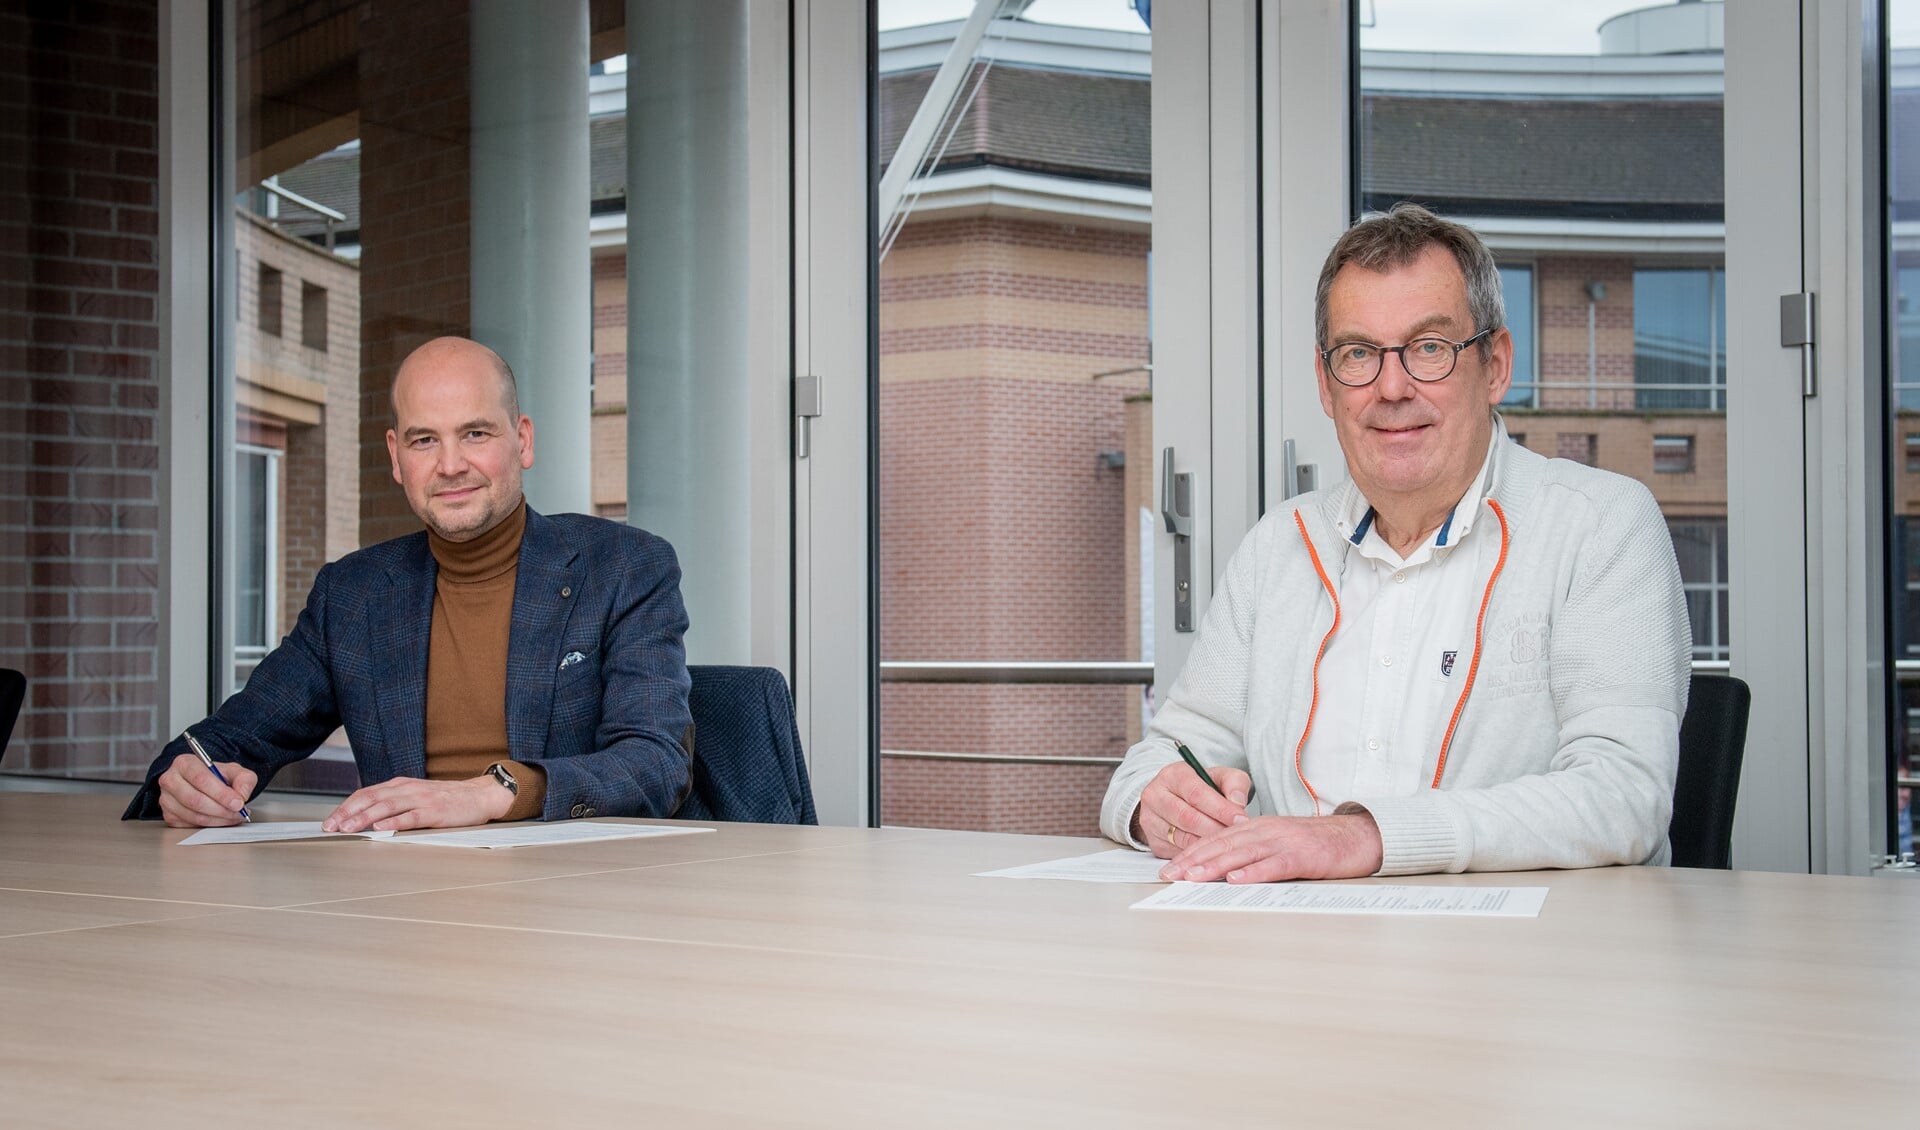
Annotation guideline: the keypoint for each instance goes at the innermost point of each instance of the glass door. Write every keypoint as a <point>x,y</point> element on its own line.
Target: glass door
<point>1015,409</point>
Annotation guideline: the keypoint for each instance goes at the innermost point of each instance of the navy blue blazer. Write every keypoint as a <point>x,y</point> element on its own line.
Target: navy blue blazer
<point>606,726</point>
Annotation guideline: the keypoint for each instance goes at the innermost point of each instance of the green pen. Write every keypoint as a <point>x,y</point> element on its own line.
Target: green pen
<point>1187,756</point>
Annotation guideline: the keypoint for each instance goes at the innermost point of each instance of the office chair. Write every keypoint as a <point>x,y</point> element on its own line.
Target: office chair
<point>747,762</point>
<point>13,691</point>
<point>1713,740</point>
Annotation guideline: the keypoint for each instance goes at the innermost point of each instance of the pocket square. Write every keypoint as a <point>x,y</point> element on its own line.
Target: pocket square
<point>571,658</point>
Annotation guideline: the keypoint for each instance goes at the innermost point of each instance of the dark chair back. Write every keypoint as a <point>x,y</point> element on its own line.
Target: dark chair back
<point>1713,740</point>
<point>13,691</point>
<point>747,762</point>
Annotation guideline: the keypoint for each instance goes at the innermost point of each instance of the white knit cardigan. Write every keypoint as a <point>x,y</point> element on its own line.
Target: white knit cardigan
<point>1567,739</point>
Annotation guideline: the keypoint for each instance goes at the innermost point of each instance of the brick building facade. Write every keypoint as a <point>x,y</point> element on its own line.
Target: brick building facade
<point>79,401</point>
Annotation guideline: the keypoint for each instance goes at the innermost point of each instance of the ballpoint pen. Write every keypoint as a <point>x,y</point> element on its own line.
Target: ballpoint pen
<point>208,762</point>
<point>1187,756</point>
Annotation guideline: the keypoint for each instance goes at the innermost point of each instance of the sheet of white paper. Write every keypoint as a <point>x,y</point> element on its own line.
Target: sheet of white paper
<point>532,835</point>
<point>1120,866</point>
<point>267,831</point>
<point>1350,898</point>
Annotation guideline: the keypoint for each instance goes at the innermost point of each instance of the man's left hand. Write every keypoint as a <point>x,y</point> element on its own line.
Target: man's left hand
<point>408,802</point>
<point>1271,849</point>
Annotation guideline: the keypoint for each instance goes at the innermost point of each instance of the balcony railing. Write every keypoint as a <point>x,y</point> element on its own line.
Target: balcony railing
<point>1715,394</point>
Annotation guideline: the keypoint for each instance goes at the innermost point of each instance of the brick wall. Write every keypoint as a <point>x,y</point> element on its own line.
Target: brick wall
<point>312,394</point>
<point>1004,534</point>
<point>79,493</point>
<point>1560,290</point>
<point>415,253</point>
<point>609,455</point>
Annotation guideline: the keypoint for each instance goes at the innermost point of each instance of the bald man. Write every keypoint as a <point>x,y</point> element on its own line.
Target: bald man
<point>498,665</point>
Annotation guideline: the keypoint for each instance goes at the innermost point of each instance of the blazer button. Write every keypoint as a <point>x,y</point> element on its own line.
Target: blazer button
<point>589,812</point>
<point>580,810</point>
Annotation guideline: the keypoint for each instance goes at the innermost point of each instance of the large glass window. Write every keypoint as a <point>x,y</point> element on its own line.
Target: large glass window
<point>1588,153</point>
<point>1903,411</point>
<point>80,407</point>
<point>1015,414</point>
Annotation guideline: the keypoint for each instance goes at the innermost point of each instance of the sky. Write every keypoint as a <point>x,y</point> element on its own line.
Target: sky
<point>1548,27</point>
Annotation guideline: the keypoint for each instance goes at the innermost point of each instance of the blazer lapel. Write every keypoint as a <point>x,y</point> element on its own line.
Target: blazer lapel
<point>402,626</point>
<point>546,588</point>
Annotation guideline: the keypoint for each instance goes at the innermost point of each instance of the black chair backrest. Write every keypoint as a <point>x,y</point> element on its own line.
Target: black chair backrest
<point>1713,740</point>
<point>13,691</point>
<point>747,762</point>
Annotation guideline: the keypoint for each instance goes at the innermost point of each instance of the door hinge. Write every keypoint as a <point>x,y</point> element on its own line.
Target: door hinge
<point>806,406</point>
<point>1796,332</point>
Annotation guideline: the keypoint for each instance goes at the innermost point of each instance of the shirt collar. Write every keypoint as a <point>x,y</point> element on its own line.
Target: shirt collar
<point>1357,522</point>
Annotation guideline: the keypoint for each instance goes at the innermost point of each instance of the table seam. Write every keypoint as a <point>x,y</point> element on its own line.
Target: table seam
<point>547,878</point>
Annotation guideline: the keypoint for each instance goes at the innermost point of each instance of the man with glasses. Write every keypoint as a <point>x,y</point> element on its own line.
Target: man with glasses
<point>1467,657</point>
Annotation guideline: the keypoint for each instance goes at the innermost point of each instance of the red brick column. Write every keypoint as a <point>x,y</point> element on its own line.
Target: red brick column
<point>79,571</point>
<point>414,258</point>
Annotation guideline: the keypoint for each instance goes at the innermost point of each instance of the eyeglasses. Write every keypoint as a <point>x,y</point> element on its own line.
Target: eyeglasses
<point>1357,364</point>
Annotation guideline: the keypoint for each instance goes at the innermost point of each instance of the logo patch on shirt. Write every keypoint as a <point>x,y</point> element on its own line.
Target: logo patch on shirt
<point>1446,661</point>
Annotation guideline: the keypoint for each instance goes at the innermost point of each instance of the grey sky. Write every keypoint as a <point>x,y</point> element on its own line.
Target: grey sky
<point>1546,27</point>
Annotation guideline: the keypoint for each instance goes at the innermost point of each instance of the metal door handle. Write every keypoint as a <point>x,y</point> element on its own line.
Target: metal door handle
<point>1301,477</point>
<point>1176,510</point>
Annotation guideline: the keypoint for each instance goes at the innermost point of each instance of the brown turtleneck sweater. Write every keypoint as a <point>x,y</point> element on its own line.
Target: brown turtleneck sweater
<point>467,661</point>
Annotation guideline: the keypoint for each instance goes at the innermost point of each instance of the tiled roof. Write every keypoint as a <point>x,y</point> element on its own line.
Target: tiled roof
<point>1611,159</point>
<point>1066,123</point>
<point>1615,159</point>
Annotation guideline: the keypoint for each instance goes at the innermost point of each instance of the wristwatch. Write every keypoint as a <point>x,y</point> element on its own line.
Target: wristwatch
<point>499,773</point>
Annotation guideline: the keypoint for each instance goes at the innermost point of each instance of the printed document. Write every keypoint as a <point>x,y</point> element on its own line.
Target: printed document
<point>533,835</point>
<point>1122,866</point>
<point>267,831</point>
<point>1350,898</point>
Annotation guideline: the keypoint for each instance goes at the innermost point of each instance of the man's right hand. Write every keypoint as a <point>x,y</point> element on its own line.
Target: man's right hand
<point>192,797</point>
<point>1178,808</point>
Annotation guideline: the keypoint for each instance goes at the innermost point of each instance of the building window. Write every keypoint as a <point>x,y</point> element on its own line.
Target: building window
<point>1581,447</point>
<point>1906,339</point>
<point>1913,451</point>
<point>256,558</point>
<point>1701,546</point>
<point>1906,588</point>
<point>1679,338</point>
<point>1673,455</point>
<point>268,301</point>
<point>1518,437</point>
<point>1516,284</point>
<point>313,316</point>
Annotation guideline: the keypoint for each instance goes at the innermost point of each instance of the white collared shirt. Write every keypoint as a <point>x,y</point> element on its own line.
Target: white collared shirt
<point>1398,661</point>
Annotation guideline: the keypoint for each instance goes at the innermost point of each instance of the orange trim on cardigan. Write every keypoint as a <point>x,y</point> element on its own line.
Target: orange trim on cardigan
<point>1324,641</point>
<point>1479,624</point>
<point>1473,666</point>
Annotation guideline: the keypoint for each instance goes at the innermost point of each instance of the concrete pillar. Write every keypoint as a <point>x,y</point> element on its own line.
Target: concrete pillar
<point>688,472</point>
<point>532,272</point>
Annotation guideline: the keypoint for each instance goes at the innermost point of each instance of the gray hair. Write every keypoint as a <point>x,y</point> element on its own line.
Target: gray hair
<point>1389,240</point>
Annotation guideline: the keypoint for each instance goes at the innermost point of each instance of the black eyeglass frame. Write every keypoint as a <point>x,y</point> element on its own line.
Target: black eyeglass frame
<point>1326,358</point>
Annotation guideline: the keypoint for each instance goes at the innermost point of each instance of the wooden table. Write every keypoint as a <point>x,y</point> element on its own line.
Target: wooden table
<point>841,977</point>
